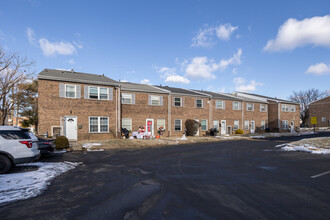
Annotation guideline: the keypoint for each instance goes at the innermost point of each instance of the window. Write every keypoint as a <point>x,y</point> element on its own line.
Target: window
<point>249,106</point>
<point>127,123</point>
<point>292,108</point>
<point>70,91</point>
<point>126,98</point>
<point>237,106</point>
<point>10,135</point>
<point>236,124</point>
<point>285,107</point>
<point>263,107</point>
<point>246,125</point>
<point>160,123</point>
<point>154,100</point>
<point>324,119</point>
<point>204,125</point>
<point>178,125</point>
<point>98,124</point>
<point>220,104</point>
<point>98,93</point>
<point>285,124</point>
<point>263,125</point>
<point>199,103</point>
<point>177,101</point>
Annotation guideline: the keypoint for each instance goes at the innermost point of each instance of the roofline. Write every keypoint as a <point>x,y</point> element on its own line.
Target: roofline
<point>269,98</point>
<point>77,80</point>
<point>139,90</point>
<point>167,91</point>
<point>180,93</point>
<point>319,99</point>
<point>203,94</point>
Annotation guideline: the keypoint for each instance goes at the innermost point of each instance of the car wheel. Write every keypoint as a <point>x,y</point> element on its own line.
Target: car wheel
<point>5,164</point>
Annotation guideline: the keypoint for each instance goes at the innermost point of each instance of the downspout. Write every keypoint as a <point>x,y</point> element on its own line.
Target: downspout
<point>120,111</point>
<point>210,113</point>
<point>169,114</point>
<point>243,103</point>
<point>116,111</point>
<point>279,116</point>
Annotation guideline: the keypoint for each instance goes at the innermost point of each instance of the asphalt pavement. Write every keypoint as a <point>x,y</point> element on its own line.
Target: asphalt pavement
<point>244,179</point>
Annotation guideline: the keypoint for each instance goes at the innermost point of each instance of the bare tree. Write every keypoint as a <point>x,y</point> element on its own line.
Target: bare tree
<point>304,98</point>
<point>14,70</point>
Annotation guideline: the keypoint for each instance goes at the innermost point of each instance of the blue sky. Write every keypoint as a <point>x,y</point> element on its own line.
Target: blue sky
<point>265,47</point>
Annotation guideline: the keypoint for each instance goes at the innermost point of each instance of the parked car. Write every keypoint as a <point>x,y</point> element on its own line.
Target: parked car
<point>17,145</point>
<point>46,145</point>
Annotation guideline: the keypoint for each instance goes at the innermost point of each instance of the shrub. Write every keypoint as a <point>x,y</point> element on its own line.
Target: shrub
<point>61,142</point>
<point>239,131</point>
<point>192,127</point>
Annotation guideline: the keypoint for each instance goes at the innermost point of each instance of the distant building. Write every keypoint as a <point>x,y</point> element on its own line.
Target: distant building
<point>321,110</point>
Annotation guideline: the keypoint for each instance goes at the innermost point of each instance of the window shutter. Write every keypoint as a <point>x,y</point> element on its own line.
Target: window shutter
<point>182,101</point>
<point>202,103</point>
<point>86,92</point>
<point>62,90</point>
<point>253,107</point>
<point>161,100</point>
<point>149,97</point>
<point>78,91</point>
<point>240,106</point>
<point>196,103</point>
<point>133,98</point>
<point>110,93</point>
<point>223,104</point>
<point>173,101</point>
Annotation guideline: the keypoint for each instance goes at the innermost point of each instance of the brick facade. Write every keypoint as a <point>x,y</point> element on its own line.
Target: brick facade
<point>321,110</point>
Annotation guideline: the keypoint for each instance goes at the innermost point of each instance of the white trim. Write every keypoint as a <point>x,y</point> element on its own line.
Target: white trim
<point>130,98</point>
<point>151,100</point>
<point>202,103</point>
<point>180,101</point>
<point>153,125</point>
<point>98,125</point>
<point>98,93</point>
<point>206,125</point>
<point>75,91</point>
<point>164,123</point>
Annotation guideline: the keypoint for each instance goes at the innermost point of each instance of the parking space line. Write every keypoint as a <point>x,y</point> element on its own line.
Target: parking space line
<point>320,174</point>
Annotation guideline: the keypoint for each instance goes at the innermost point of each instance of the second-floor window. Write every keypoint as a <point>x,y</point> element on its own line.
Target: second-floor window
<point>98,93</point>
<point>70,91</point>
<point>263,107</point>
<point>285,107</point>
<point>177,101</point>
<point>292,108</point>
<point>236,106</point>
<point>126,98</point>
<point>249,106</point>
<point>155,100</point>
<point>220,104</point>
<point>199,103</point>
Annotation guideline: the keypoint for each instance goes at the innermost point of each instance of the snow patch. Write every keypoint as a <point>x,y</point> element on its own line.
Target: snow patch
<point>89,146</point>
<point>257,137</point>
<point>305,148</point>
<point>19,186</point>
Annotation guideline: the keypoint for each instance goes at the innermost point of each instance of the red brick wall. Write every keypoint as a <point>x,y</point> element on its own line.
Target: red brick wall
<point>51,108</point>
<point>256,116</point>
<point>320,109</point>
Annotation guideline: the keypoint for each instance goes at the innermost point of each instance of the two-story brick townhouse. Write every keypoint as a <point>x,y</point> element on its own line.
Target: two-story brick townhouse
<point>78,105</point>
<point>282,114</point>
<point>187,104</point>
<point>321,110</point>
<point>144,105</point>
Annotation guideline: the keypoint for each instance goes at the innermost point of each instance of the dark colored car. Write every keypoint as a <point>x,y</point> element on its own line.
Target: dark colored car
<point>46,145</point>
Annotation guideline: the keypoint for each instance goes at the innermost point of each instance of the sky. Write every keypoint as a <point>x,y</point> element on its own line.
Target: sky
<point>270,48</point>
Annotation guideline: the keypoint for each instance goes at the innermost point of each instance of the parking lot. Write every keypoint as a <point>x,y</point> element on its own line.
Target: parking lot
<point>221,180</point>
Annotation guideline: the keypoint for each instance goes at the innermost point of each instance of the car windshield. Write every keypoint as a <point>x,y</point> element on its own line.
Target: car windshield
<point>14,134</point>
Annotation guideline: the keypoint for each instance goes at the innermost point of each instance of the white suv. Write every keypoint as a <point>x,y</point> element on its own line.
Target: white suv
<point>17,145</point>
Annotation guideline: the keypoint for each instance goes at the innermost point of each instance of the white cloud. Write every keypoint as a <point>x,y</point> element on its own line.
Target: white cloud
<point>243,86</point>
<point>52,48</point>
<point>31,36</point>
<point>319,69</point>
<point>177,79</point>
<point>145,81</point>
<point>294,33</point>
<point>204,68</point>
<point>207,37</point>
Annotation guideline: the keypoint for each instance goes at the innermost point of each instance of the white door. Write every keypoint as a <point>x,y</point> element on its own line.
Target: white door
<point>223,127</point>
<point>292,126</point>
<point>253,127</point>
<point>71,127</point>
<point>150,126</point>
<point>216,124</point>
<point>197,134</point>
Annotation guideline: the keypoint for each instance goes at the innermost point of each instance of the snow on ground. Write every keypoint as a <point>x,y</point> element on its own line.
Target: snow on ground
<point>310,145</point>
<point>257,137</point>
<point>24,185</point>
<point>89,146</point>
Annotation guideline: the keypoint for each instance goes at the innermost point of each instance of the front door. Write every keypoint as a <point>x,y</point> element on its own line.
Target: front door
<point>223,127</point>
<point>71,127</point>
<point>292,126</point>
<point>253,127</point>
<point>150,126</point>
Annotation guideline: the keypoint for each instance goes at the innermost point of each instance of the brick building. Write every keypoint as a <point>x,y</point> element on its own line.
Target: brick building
<point>282,114</point>
<point>321,110</point>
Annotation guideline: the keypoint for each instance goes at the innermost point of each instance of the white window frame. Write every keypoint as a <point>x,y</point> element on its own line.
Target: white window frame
<point>284,107</point>
<point>235,124</point>
<point>222,104</point>
<point>180,124</point>
<point>154,96</point>
<point>197,103</point>
<point>264,106</point>
<point>248,125</point>
<point>205,125</point>
<point>131,98</point>
<point>239,106</point>
<point>130,123</point>
<point>180,102</point>
<point>263,125</point>
<point>292,107</point>
<point>247,106</point>
<point>158,125</point>
<point>324,119</point>
<point>98,124</point>
<point>75,91</point>
<point>285,124</point>
<point>98,93</point>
